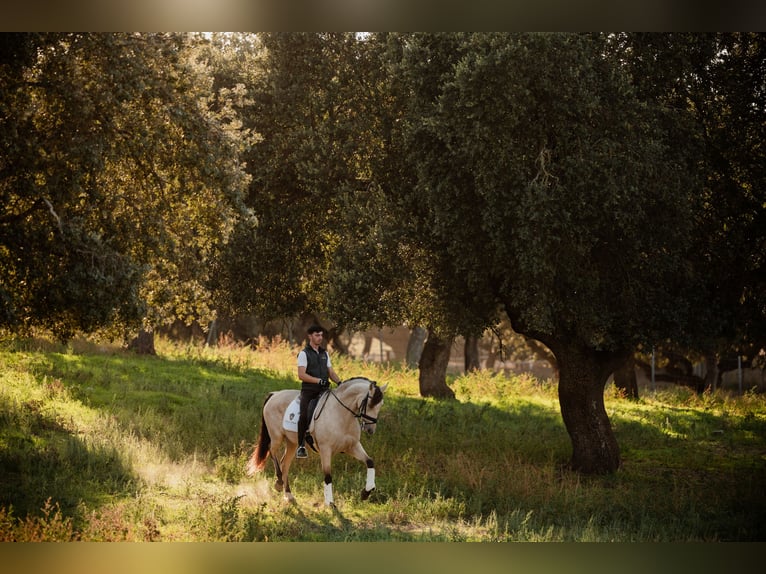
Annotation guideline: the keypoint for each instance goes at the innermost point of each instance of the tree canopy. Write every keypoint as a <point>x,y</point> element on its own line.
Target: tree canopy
<point>306,112</point>
<point>115,180</point>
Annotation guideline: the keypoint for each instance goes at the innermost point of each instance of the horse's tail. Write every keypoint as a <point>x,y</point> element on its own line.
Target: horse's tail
<point>261,450</point>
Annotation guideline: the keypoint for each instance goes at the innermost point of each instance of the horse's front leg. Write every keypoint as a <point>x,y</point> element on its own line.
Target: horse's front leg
<point>325,456</point>
<point>360,454</point>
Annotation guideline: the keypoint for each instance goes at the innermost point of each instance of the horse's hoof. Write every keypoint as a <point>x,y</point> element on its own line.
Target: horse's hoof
<point>289,497</point>
<point>278,486</point>
<point>366,494</point>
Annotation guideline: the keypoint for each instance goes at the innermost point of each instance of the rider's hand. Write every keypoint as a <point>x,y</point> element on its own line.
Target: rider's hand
<point>324,383</point>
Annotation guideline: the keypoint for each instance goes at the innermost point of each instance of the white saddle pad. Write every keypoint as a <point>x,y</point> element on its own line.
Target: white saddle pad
<point>292,412</point>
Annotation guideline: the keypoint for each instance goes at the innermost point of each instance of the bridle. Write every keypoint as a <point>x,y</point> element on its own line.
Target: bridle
<point>364,419</point>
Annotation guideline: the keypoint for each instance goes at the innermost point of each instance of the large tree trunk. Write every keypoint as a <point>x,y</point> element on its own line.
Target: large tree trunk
<point>433,368</point>
<point>583,375</point>
<point>471,353</point>
<point>143,344</point>
<point>367,346</point>
<point>338,345</point>
<point>415,346</point>
<point>625,379</point>
<point>711,371</point>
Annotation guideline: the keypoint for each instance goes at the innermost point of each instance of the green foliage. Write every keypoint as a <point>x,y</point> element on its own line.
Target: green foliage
<point>97,444</point>
<point>578,179</point>
<point>716,80</point>
<point>307,108</point>
<point>542,171</point>
<point>115,181</point>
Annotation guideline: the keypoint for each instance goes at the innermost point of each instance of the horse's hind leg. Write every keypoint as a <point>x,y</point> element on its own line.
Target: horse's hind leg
<point>274,448</point>
<point>278,484</point>
<point>287,459</point>
<point>282,466</point>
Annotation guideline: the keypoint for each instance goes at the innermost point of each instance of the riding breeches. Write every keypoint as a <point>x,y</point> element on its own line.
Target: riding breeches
<point>309,391</point>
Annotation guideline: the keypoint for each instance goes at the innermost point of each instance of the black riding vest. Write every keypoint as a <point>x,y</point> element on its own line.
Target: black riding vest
<point>317,362</point>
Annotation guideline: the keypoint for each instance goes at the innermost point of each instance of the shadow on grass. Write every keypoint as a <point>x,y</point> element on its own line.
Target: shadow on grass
<point>40,460</point>
<point>184,408</point>
<point>301,523</point>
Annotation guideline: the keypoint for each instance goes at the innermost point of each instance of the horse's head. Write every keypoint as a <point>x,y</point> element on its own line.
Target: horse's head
<point>371,407</point>
<point>362,398</point>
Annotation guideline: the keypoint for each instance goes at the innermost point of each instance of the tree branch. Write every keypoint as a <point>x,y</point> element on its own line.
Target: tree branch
<point>54,214</point>
<point>23,215</point>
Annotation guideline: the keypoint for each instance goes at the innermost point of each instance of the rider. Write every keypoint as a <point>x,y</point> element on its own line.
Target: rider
<point>315,372</point>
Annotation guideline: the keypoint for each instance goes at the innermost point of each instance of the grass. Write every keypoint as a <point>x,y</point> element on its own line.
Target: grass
<point>99,444</point>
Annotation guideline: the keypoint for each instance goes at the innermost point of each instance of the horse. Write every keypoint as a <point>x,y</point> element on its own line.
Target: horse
<point>340,416</point>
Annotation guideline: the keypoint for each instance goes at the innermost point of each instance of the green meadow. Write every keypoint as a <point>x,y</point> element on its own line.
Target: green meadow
<point>98,444</point>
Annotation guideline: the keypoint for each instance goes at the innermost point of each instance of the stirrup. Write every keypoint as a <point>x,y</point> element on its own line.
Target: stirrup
<point>301,452</point>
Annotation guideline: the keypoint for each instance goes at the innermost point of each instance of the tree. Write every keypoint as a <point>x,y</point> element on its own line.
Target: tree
<point>390,272</point>
<point>728,102</point>
<point>305,90</point>
<point>542,171</point>
<point>115,179</point>
<point>719,80</point>
<point>56,271</point>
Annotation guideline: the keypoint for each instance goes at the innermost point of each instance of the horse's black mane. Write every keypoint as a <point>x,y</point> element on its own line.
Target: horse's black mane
<point>377,396</point>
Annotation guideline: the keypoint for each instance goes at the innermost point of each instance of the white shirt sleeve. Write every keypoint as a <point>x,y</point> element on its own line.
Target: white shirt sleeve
<point>303,360</point>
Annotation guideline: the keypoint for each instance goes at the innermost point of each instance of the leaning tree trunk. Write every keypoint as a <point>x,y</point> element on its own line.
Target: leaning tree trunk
<point>212,334</point>
<point>583,375</point>
<point>433,368</point>
<point>543,353</point>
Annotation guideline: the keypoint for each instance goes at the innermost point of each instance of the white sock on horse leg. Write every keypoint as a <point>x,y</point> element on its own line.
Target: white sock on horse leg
<point>328,494</point>
<point>370,480</point>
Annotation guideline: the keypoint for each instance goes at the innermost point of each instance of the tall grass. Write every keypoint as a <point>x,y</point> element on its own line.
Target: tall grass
<point>100,444</point>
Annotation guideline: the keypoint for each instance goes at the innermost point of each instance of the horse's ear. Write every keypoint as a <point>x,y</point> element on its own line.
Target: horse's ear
<point>383,388</point>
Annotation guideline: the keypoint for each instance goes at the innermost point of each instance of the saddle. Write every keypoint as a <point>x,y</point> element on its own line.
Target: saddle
<point>292,413</point>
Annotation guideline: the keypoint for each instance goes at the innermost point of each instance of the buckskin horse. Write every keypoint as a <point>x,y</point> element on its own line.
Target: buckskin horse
<point>340,416</point>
